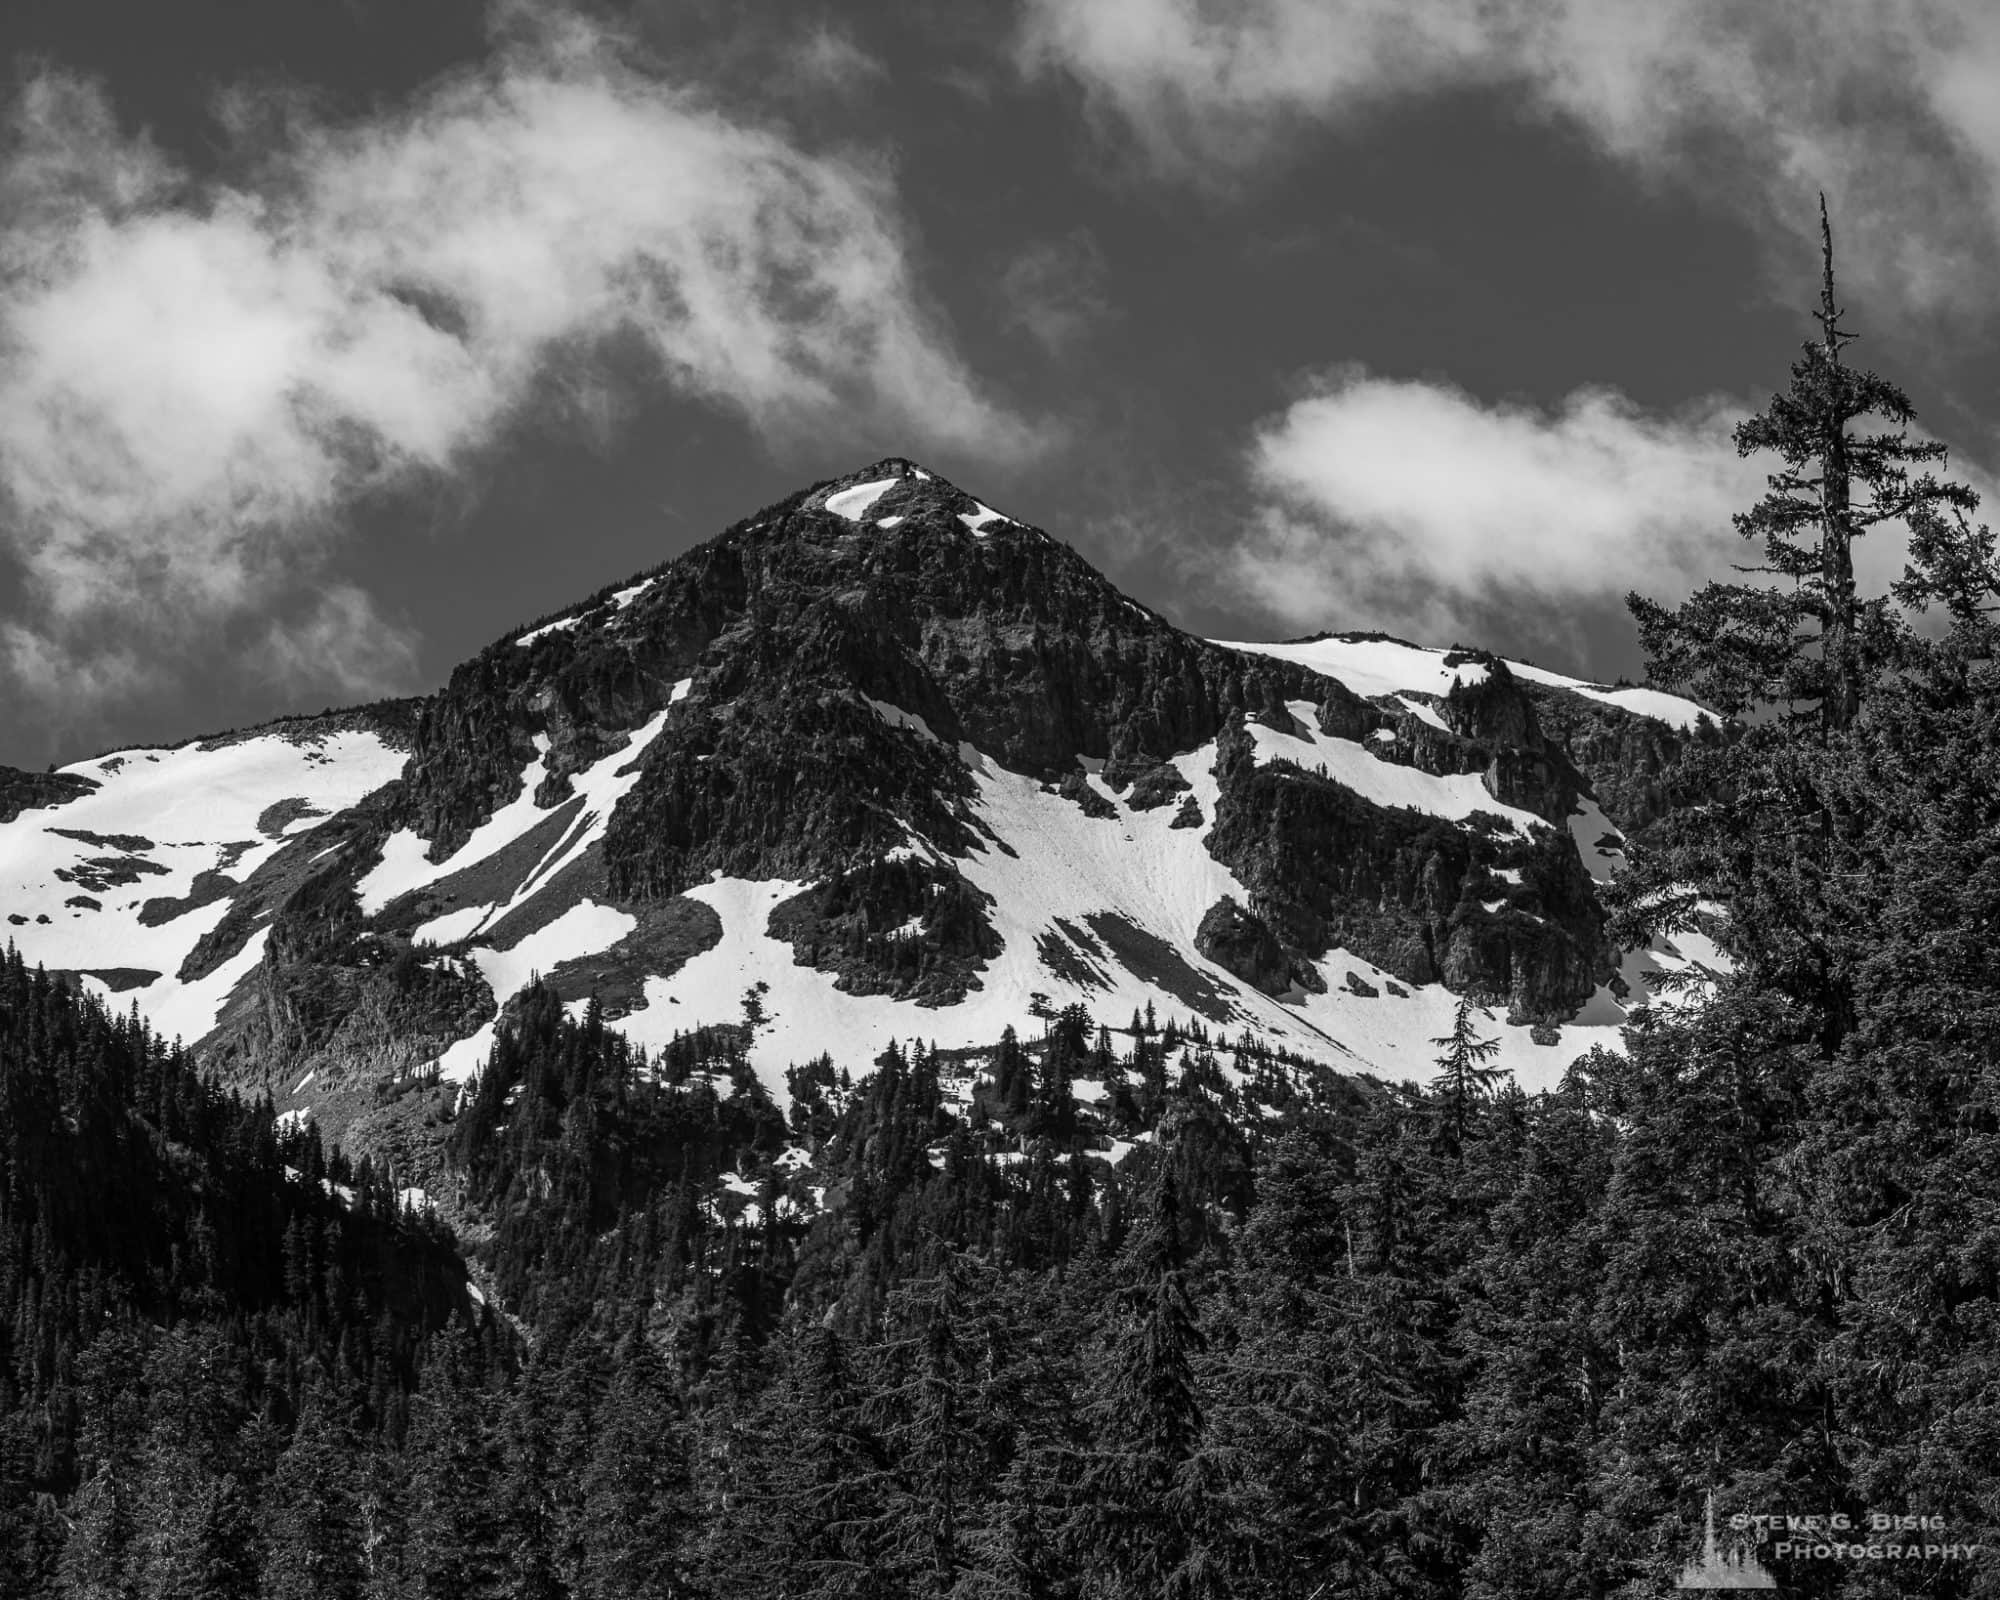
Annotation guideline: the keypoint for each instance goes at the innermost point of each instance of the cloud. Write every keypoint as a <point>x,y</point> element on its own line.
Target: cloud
<point>1413,506</point>
<point>1887,104</point>
<point>342,642</point>
<point>825,57</point>
<point>52,674</point>
<point>1053,291</point>
<point>200,380</point>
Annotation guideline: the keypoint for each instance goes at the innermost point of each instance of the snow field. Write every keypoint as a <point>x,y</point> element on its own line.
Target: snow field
<point>1067,866</point>
<point>853,503</point>
<point>1373,668</point>
<point>976,521</point>
<point>403,868</point>
<point>1384,783</point>
<point>194,807</point>
<point>584,929</point>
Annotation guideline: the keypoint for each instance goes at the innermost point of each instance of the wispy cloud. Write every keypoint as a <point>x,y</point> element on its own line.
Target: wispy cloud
<point>1053,291</point>
<point>343,642</point>
<point>1889,106</point>
<point>827,57</point>
<point>199,380</point>
<point>1413,506</point>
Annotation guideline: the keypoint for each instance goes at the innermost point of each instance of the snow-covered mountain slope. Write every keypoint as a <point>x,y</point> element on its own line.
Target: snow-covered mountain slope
<point>906,767</point>
<point>1374,665</point>
<point>121,883</point>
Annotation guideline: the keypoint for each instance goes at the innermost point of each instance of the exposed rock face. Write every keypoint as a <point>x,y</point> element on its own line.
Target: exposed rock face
<point>336,851</point>
<point>1156,786</point>
<point>911,928</point>
<point>790,625</point>
<point>881,709</point>
<point>1496,715</point>
<point>331,997</point>
<point>1076,789</point>
<point>782,779</point>
<point>1624,759</point>
<point>834,666</point>
<point>1238,941</point>
<point>32,791</point>
<point>1410,892</point>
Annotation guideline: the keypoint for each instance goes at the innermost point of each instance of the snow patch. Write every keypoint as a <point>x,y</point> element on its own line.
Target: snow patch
<point>188,1011</point>
<point>169,816</point>
<point>1066,865</point>
<point>624,597</point>
<point>1373,668</point>
<point>1383,783</point>
<point>463,1061</point>
<point>601,786</point>
<point>453,925</point>
<point>1652,703</point>
<point>403,866</point>
<point>563,625</point>
<point>853,503</point>
<point>897,717</point>
<point>1423,712</point>
<point>977,521</point>
<point>1589,829</point>
<point>585,929</point>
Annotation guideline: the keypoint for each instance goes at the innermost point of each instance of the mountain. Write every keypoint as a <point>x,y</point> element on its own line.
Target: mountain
<point>876,762</point>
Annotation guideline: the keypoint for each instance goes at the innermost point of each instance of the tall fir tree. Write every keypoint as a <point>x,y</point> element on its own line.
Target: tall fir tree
<point>1808,641</point>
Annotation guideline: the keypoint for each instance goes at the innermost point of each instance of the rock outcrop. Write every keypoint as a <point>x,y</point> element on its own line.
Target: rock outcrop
<point>831,693</point>
<point>33,791</point>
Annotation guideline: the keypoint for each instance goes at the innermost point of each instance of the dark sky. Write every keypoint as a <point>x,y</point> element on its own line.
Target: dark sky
<point>337,338</point>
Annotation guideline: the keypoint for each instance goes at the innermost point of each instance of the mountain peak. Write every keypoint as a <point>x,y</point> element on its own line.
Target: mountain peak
<point>894,467</point>
<point>905,761</point>
<point>895,490</point>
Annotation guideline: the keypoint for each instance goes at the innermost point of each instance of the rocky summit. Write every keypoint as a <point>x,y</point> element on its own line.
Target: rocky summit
<point>877,762</point>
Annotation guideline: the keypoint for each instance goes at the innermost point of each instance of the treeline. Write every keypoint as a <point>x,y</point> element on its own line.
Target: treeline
<point>1218,1327</point>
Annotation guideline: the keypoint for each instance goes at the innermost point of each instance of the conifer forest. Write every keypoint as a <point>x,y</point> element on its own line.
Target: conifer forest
<point>1117,1306</point>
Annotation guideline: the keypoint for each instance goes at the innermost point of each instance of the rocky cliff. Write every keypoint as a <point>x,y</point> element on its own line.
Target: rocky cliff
<point>899,763</point>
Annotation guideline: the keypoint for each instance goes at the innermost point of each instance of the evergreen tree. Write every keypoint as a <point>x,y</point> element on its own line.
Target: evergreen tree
<point>1464,1081</point>
<point>96,1561</point>
<point>1138,1531</point>
<point>638,1517</point>
<point>455,1545</point>
<point>1775,838</point>
<point>311,1520</point>
<point>1809,636</point>
<point>929,1418</point>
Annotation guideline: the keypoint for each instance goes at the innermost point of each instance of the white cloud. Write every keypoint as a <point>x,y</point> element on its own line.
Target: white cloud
<point>198,379</point>
<point>343,643</point>
<point>825,57</point>
<point>1887,104</point>
<point>1413,506</point>
<point>54,674</point>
